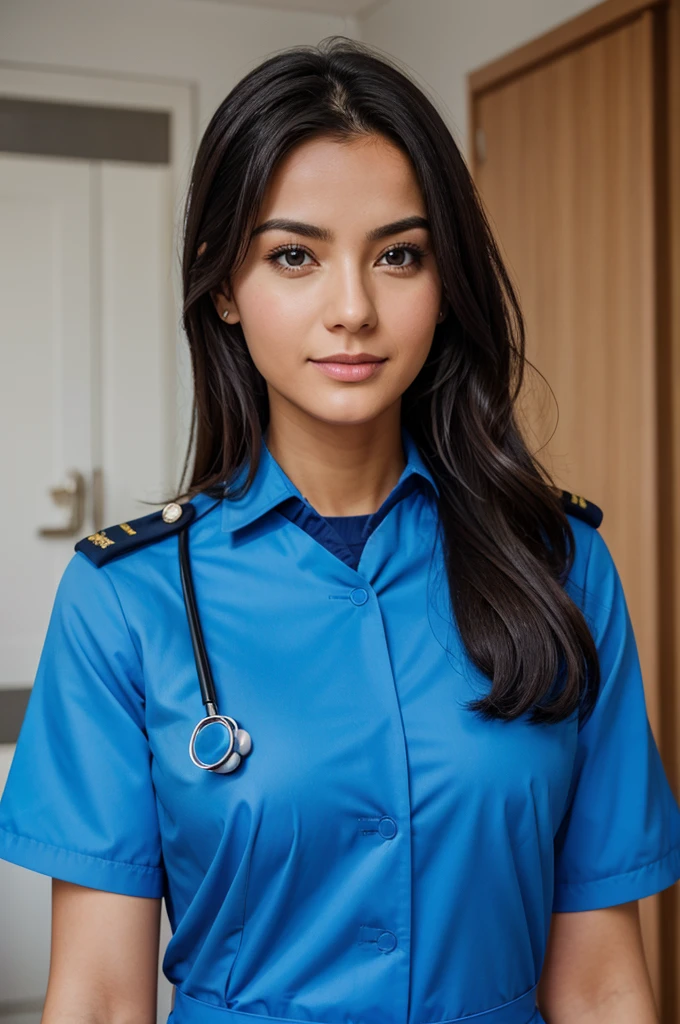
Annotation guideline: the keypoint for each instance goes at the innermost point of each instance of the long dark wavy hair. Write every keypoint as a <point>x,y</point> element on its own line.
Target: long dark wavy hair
<point>508,543</point>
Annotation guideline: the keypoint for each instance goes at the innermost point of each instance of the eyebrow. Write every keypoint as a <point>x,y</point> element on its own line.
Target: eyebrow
<point>298,227</point>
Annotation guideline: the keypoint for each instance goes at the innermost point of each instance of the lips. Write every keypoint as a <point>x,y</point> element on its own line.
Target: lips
<point>343,357</point>
<point>351,370</point>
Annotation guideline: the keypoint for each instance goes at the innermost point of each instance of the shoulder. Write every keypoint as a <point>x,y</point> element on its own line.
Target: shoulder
<point>121,539</point>
<point>577,506</point>
<point>593,581</point>
<point>585,518</point>
<point>100,587</point>
<point>87,623</point>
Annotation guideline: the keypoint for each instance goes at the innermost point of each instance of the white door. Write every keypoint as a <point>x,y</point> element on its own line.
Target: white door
<point>87,345</point>
<point>45,385</point>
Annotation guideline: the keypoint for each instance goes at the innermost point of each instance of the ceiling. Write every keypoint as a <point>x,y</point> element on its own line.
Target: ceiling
<point>346,7</point>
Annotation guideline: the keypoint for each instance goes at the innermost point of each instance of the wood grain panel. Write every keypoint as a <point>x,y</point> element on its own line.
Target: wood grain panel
<point>565,165</point>
<point>595,21</point>
<point>568,186</point>
<point>668,219</point>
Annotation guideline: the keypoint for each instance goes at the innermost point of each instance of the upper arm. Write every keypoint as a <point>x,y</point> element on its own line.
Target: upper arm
<point>619,837</point>
<point>79,803</point>
<point>104,957</point>
<point>593,958</point>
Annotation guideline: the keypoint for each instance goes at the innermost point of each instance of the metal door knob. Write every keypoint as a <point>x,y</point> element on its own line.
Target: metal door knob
<point>71,495</point>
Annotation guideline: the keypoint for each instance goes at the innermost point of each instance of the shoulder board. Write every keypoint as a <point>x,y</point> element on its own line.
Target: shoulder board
<point>115,541</point>
<point>575,505</point>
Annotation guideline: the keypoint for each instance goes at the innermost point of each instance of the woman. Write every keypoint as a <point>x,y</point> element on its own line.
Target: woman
<point>443,739</point>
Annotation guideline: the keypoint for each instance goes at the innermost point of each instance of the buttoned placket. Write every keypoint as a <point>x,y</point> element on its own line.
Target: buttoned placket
<point>385,927</point>
<point>384,918</point>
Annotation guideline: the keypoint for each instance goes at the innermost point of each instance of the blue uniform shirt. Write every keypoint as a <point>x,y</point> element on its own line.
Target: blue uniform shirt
<point>383,855</point>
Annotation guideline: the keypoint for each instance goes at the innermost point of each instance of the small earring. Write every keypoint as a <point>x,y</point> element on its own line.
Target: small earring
<point>441,314</point>
<point>226,314</point>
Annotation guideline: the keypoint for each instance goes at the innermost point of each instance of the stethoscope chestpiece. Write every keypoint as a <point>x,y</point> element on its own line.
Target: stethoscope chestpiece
<point>239,744</point>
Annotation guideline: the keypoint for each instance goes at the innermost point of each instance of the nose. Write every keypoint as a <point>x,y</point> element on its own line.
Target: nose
<point>350,304</point>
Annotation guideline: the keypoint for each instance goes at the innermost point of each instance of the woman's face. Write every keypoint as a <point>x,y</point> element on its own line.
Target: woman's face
<point>328,285</point>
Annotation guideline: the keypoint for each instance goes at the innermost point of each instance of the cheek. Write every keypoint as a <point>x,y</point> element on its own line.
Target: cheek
<point>274,307</point>
<point>409,324</point>
<point>277,323</point>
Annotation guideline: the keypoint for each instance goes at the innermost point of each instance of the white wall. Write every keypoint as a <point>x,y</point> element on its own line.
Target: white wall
<point>211,44</point>
<point>207,44</point>
<point>442,40</point>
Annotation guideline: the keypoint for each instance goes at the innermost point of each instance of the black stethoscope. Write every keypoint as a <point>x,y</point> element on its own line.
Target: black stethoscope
<point>237,742</point>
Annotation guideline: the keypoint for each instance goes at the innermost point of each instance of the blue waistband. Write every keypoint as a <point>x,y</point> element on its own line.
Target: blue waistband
<point>188,1010</point>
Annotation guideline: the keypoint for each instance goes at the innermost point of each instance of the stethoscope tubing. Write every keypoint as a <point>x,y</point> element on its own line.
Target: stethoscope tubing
<point>205,677</point>
<point>239,740</point>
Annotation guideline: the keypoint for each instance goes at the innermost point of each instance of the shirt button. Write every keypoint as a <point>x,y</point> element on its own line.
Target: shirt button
<point>359,596</point>
<point>387,942</point>
<point>387,827</point>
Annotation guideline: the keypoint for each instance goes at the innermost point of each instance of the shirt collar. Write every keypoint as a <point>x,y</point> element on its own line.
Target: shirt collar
<point>271,485</point>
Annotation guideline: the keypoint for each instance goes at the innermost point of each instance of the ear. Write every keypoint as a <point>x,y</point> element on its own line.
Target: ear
<point>221,301</point>
<point>225,306</point>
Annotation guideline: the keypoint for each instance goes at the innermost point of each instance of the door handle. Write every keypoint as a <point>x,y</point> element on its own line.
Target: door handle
<point>72,495</point>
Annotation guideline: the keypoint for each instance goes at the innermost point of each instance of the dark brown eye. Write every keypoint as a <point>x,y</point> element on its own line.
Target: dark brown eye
<point>396,257</point>
<point>295,256</point>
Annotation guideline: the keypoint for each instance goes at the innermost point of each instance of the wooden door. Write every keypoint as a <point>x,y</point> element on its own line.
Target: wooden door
<point>564,151</point>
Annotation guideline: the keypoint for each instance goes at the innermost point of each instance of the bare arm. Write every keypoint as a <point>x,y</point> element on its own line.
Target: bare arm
<point>595,970</point>
<point>104,957</point>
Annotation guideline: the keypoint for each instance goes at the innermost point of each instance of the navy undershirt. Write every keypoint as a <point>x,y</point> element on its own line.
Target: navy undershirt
<point>351,529</point>
<point>344,536</point>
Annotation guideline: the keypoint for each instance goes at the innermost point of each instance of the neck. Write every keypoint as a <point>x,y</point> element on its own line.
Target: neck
<point>341,469</point>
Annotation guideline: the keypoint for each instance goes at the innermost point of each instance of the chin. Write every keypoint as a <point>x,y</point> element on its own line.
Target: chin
<point>347,418</point>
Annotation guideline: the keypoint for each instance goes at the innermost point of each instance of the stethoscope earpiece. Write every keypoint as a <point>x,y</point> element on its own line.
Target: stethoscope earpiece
<point>239,743</point>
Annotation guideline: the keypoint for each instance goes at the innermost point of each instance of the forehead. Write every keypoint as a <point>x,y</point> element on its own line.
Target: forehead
<point>362,177</point>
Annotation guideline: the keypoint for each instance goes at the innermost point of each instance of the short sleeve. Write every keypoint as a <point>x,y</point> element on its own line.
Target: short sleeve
<point>620,837</point>
<point>79,803</point>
